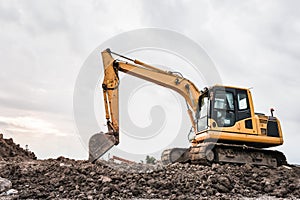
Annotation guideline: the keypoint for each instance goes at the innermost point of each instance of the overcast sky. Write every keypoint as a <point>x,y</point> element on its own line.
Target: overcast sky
<point>254,44</point>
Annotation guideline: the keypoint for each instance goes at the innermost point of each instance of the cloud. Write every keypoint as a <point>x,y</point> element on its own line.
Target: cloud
<point>29,125</point>
<point>43,48</point>
<point>43,45</point>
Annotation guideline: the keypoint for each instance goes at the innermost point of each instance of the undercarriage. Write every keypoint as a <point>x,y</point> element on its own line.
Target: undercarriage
<point>208,153</point>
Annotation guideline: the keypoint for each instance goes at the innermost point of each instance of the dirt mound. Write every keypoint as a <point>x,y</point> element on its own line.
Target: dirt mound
<point>11,151</point>
<point>66,178</point>
<point>26,178</point>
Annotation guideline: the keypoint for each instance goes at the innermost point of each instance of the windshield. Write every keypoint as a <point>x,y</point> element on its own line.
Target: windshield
<point>203,111</point>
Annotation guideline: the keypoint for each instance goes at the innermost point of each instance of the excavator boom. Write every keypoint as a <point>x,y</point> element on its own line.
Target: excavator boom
<point>100,143</point>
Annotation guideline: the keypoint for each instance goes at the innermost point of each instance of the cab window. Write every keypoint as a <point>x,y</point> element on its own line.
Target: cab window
<point>202,114</point>
<point>223,108</point>
<point>242,100</point>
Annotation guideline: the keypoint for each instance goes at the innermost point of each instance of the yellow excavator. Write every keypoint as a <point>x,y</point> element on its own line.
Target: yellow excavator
<point>225,128</point>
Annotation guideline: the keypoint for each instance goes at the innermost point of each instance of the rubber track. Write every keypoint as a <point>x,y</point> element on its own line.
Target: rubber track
<point>241,155</point>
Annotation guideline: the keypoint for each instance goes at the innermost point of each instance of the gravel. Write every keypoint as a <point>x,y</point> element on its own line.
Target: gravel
<point>64,178</point>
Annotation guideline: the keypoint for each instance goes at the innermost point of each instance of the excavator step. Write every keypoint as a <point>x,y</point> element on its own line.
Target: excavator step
<point>99,144</point>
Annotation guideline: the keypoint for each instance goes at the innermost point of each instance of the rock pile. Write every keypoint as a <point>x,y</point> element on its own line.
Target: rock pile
<point>74,179</point>
<point>66,178</point>
<point>11,151</point>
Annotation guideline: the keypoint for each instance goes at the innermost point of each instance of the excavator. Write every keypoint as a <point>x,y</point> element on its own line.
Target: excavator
<point>224,126</point>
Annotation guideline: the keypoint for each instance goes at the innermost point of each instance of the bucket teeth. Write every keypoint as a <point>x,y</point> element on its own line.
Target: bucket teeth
<point>99,144</point>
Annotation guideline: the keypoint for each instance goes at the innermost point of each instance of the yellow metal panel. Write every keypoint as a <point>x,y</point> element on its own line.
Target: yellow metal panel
<point>239,137</point>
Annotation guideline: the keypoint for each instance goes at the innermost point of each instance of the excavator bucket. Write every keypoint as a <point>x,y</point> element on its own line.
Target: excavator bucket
<point>99,144</point>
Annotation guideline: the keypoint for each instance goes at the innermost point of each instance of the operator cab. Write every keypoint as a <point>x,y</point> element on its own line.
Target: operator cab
<point>223,107</point>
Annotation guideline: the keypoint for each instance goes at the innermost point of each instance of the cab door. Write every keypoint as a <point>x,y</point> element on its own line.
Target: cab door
<point>223,107</point>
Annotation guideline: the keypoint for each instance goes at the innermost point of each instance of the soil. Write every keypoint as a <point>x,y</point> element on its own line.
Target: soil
<point>11,151</point>
<point>64,178</point>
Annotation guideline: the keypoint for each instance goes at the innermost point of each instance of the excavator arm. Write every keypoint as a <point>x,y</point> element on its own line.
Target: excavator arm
<point>101,143</point>
<point>232,134</point>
